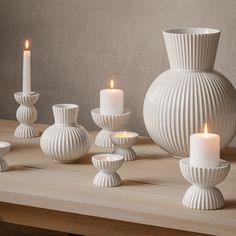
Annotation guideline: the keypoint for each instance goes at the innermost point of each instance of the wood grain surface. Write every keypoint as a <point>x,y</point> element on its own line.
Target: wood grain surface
<point>41,193</point>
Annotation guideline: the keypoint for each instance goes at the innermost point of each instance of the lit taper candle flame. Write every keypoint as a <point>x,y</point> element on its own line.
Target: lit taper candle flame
<point>112,84</point>
<point>27,44</point>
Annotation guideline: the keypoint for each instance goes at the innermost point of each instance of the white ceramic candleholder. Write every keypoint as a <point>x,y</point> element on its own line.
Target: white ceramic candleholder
<point>107,164</point>
<point>26,114</point>
<point>123,144</point>
<point>108,123</point>
<point>4,149</point>
<point>203,195</point>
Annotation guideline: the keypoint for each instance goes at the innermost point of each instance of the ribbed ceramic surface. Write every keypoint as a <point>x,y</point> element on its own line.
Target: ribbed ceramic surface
<point>203,195</point>
<point>65,113</point>
<point>107,180</point>
<point>4,148</point>
<point>3,165</point>
<point>204,177</point>
<point>26,100</point>
<point>65,142</point>
<point>26,131</point>
<point>192,48</point>
<point>107,177</point>
<point>103,139</point>
<point>128,154</point>
<point>110,122</point>
<point>26,114</point>
<point>178,103</point>
<point>203,199</point>
<point>124,142</point>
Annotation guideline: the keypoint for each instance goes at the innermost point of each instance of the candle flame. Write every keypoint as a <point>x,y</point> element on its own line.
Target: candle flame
<point>112,84</point>
<point>205,129</point>
<point>27,44</point>
<point>124,134</point>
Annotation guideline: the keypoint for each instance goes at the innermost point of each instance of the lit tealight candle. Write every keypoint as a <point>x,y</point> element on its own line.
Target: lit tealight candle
<point>204,149</point>
<point>124,134</point>
<point>111,101</point>
<point>26,70</point>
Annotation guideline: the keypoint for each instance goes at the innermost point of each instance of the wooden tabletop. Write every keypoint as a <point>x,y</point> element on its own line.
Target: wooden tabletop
<point>151,192</point>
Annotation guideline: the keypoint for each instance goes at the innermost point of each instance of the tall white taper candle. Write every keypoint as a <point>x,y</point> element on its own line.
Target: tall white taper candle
<point>26,71</point>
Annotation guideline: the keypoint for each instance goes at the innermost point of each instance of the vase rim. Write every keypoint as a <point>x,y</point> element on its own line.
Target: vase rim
<point>192,31</point>
<point>65,106</point>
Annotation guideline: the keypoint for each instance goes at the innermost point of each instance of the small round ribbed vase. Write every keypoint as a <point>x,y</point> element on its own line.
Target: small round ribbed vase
<point>203,195</point>
<point>65,141</point>
<point>108,123</point>
<point>26,114</point>
<point>107,164</point>
<point>190,93</point>
<point>4,149</point>
<point>123,145</point>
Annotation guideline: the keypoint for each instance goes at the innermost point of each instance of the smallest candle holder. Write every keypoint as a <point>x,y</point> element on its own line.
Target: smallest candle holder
<point>26,114</point>
<point>123,142</point>
<point>4,149</point>
<point>107,164</point>
<point>203,195</point>
<point>108,123</point>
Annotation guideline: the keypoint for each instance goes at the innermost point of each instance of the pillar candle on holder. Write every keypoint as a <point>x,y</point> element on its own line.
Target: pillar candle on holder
<point>111,101</point>
<point>205,149</point>
<point>26,71</point>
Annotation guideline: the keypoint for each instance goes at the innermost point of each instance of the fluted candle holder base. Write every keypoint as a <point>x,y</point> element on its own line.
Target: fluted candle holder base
<point>4,149</point>
<point>108,123</point>
<point>107,164</point>
<point>203,195</point>
<point>26,114</point>
<point>123,144</point>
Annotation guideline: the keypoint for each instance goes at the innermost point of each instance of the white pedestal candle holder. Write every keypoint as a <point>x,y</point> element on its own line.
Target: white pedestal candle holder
<point>203,195</point>
<point>107,164</point>
<point>108,123</point>
<point>123,144</point>
<point>4,149</point>
<point>26,114</point>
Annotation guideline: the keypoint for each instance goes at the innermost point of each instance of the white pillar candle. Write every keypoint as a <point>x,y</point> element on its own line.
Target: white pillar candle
<point>111,101</point>
<point>26,71</point>
<point>204,149</point>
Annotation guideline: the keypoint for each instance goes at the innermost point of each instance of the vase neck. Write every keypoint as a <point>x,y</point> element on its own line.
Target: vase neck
<point>194,52</point>
<point>65,114</point>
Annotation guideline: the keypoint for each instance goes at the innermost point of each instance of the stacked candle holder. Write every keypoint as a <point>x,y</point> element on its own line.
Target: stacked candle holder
<point>111,116</point>
<point>107,165</point>
<point>26,114</point>
<point>204,169</point>
<point>123,142</point>
<point>108,123</point>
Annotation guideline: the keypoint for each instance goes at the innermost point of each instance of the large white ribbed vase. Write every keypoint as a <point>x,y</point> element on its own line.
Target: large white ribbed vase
<point>190,93</point>
<point>65,141</point>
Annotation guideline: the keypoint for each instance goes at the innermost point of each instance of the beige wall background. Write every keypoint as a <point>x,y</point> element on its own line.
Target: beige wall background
<point>79,45</point>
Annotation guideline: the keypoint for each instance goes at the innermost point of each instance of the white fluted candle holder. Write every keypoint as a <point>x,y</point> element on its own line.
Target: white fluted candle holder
<point>26,114</point>
<point>123,142</point>
<point>203,195</point>
<point>108,123</point>
<point>4,149</point>
<point>107,164</point>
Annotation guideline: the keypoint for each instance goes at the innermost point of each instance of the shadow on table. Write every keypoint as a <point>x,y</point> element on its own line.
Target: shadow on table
<point>229,154</point>
<point>230,204</point>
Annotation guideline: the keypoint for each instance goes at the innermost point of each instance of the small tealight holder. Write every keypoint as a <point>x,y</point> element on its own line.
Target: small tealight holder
<point>4,149</point>
<point>107,164</point>
<point>123,142</point>
<point>26,114</point>
<point>108,123</point>
<point>203,195</point>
